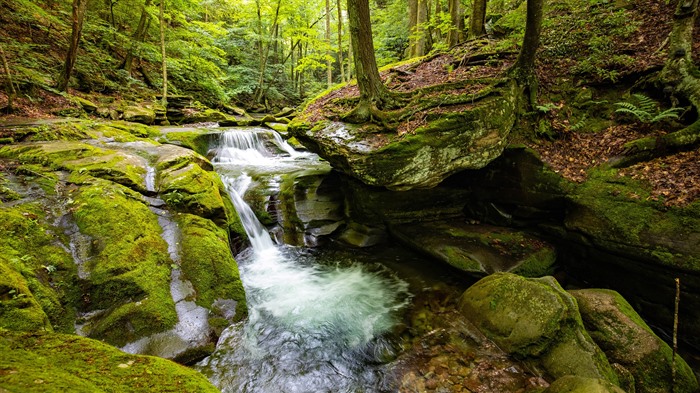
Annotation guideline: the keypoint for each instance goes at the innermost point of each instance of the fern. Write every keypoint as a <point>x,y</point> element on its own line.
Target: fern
<point>646,110</point>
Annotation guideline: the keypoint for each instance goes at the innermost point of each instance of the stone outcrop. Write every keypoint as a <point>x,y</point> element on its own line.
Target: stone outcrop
<point>446,144</point>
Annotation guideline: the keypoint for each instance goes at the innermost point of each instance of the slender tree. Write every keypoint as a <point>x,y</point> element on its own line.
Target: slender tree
<point>478,18</point>
<point>456,34</point>
<point>10,87</point>
<point>77,17</point>
<point>524,68</point>
<point>264,50</point>
<point>373,93</point>
<point>340,41</point>
<point>329,61</point>
<point>162,53</point>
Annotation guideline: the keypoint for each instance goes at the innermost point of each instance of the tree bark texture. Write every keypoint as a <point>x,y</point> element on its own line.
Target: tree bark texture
<point>264,50</point>
<point>77,17</point>
<point>421,44</point>
<point>162,53</point>
<point>478,18</point>
<point>412,26</point>
<point>340,42</point>
<point>524,68</point>
<point>373,93</point>
<point>456,34</point>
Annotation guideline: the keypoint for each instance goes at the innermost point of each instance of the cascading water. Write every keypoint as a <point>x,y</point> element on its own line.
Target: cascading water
<point>314,325</point>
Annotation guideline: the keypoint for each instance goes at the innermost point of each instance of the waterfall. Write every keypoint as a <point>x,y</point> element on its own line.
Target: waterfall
<point>316,323</point>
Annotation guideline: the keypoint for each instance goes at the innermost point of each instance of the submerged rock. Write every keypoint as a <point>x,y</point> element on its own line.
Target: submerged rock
<point>576,384</point>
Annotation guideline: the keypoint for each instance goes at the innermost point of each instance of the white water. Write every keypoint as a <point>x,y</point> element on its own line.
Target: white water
<point>314,325</point>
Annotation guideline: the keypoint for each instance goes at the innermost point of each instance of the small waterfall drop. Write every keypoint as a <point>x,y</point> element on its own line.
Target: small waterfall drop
<point>316,324</point>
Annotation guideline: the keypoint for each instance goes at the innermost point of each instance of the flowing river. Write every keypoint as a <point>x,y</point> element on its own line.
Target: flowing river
<point>318,321</point>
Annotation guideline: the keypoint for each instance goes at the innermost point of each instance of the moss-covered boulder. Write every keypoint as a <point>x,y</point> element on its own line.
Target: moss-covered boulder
<point>171,156</point>
<point>537,321</point>
<point>139,114</point>
<point>479,249</point>
<point>445,144</point>
<point>207,263</point>
<point>128,273</point>
<point>627,340</point>
<point>194,190</point>
<point>197,139</point>
<point>38,279</point>
<point>576,384</point>
<point>50,363</point>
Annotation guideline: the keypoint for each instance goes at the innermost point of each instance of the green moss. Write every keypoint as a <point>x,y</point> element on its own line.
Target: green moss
<point>617,212</point>
<point>207,262</point>
<point>193,190</point>
<point>197,140</point>
<point>58,363</point>
<point>41,273</point>
<point>129,273</point>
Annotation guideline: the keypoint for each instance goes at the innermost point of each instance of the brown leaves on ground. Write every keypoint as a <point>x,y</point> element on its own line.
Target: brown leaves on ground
<point>42,105</point>
<point>575,152</point>
<point>675,179</point>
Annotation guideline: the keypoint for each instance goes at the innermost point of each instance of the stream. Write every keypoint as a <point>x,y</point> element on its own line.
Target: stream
<point>319,321</point>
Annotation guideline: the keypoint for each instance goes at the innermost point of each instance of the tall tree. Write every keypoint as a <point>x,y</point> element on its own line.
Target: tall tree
<point>478,18</point>
<point>10,87</point>
<point>264,48</point>
<point>162,53</point>
<point>340,41</point>
<point>456,34</point>
<point>524,68</point>
<point>329,61</point>
<point>77,17</point>
<point>373,93</point>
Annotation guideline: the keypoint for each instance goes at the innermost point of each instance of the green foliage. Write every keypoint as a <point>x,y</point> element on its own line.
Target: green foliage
<point>646,110</point>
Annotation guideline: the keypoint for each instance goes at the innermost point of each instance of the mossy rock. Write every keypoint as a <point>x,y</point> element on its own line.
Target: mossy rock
<point>626,339</point>
<point>87,105</point>
<point>129,271</point>
<point>535,320</point>
<point>446,144</point>
<point>38,283</point>
<point>479,249</point>
<point>173,157</point>
<point>119,167</point>
<point>202,116</point>
<point>191,189</point>
<point>199,140</point>
<point>576,384</point>
<point>139,114</point>
<point>59,363</point>
<point>207,263</point>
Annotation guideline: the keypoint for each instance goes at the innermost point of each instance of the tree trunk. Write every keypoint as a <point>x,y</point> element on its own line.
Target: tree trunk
<point>341,67</point>
<point>524,68</point>
<point>10,87</point>
<point>478,18</point>
<point>456,34</point>
<point>162,53</point>
<point>329,61</point>
<point>77,18</point>
<point>412,26</point>
<point>264,51</point>
<point>421,45</point>
<point>373,93</point>
<point>137,37</point>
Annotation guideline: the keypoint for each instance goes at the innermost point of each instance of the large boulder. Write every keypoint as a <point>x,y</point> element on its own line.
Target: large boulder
<point>537,321</point>
<point>445,144</point>
<point>627,340</point>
